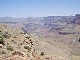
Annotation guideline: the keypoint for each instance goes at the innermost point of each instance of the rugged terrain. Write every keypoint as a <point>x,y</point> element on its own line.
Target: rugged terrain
<point>17,45</point>
<point>40,38</point>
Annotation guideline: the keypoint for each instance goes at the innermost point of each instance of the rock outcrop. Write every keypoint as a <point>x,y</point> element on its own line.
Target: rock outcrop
<point>77,19</point>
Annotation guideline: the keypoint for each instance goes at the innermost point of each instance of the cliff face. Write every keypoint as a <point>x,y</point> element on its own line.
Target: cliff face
<point>77,19</point>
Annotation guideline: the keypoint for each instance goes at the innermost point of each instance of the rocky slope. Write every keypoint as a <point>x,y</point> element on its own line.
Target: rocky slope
<point>16,45</point>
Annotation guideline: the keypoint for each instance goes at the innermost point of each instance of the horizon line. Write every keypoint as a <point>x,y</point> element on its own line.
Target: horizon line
<point>34,16</point>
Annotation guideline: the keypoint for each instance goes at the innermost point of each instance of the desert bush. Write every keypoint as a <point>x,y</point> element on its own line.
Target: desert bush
<point>42,53</point>
<point>12,40</point>
<point>3,52</point>
<point>79,40</point>
<point>28,37</point>
<point>22,33</point>
<point>14,37</point>
<point>1,40</point>
<point>17,53</point>
<point>6,32</point>
<point>27,47</point>
<point>10,48</point>
<point>6,35</point>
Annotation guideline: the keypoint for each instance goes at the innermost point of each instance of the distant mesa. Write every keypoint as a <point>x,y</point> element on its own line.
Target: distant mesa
<point>77,19</point>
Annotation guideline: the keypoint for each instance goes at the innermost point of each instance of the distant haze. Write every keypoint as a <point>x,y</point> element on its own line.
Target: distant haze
<point>39,8</point>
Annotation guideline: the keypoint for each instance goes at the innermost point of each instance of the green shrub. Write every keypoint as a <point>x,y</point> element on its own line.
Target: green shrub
<point>3,52</point>
<point>28,37</point>
<point>1,40</point>
<point>6,32</point>
<point>27,47</point>
<point>10,48</point>
<point>2,36</point>
<point>42,53</point>
<point>6,35</point>
<point>14,37</point>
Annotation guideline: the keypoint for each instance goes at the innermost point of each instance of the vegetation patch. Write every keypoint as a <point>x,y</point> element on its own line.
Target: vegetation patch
<point>42,53</point>
<point>3,36</point>
<point>6,35</point>
<point>28,37</point>
<point>3,52</point>
<point>1,40</point>
<point>10,48</point>
<point>27,47</point>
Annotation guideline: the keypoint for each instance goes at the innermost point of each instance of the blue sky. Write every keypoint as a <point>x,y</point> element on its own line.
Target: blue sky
<point>38,8</point>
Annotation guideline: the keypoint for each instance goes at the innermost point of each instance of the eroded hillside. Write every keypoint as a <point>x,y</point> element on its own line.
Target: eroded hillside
<point>48,41</point>
<point>17,45</point>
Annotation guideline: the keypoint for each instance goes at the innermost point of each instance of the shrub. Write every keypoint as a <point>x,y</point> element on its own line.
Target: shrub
<point>12,40</point>
<point>27,47</point>
<point>6,32</point>
<point>14,37</point>
<point>42,53</point>
<point>10,48</point>
<point>79,40</point>
<point>28,37</point>
<point>6,35</point>
<point>3,52</point>
<point>17,53</point>
<point>1,40</point>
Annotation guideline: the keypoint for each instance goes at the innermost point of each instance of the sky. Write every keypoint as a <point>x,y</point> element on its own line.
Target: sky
<point>39,8</point>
